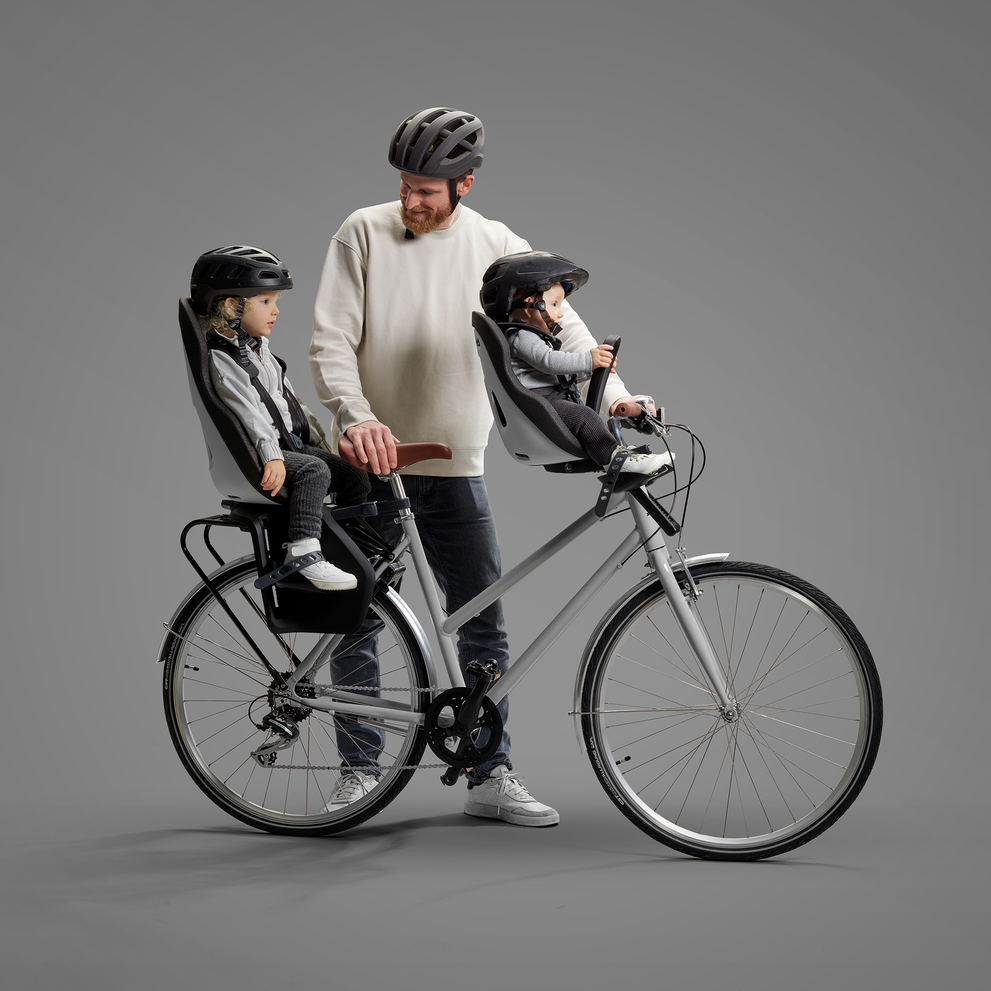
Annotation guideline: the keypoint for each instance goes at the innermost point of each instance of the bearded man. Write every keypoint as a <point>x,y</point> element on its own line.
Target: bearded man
<point>393,350</point>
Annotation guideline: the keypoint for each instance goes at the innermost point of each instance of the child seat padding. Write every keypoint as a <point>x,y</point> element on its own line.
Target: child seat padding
<point>236,470</point>
<point>235,467</point>
<point>530,427</point>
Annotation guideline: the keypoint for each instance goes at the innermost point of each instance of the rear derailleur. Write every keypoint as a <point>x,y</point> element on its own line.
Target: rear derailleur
<point>282,725</point>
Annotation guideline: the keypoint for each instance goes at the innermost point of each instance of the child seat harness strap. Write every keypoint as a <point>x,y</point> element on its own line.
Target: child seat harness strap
<point>569,383</point>
<point>291,440</point>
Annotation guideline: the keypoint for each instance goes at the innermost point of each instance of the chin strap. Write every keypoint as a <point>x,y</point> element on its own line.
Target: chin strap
<point>243,340</point>
<point>235,324</point>
<point>541,307</point>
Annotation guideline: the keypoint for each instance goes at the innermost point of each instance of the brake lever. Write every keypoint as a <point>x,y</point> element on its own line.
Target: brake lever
<point>646,423</point>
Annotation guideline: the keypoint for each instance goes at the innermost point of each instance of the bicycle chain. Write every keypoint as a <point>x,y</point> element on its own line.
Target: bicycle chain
<point>327,689</point>
<point>344,767</point>
<point>324,689</point>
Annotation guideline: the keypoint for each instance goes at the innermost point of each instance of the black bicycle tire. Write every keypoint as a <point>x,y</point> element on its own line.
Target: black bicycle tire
<point>232,576</point>
<point>600,652</point>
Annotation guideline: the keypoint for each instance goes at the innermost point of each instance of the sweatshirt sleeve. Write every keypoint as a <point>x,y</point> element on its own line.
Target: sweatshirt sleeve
<point>338,320</point>
<point>540,355</point>
<point>235,389</point>
<point>575,336</point>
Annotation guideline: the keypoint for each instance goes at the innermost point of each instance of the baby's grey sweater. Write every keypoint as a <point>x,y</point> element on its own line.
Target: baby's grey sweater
<point>537,365</point>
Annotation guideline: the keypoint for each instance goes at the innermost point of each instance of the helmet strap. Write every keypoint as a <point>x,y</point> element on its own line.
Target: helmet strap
<point>235,323</point>
<point>541,307</point>
<point>243,340</point>
<point>552,326</point>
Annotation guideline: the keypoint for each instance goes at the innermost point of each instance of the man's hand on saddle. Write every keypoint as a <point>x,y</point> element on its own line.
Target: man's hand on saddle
<point>369,445</point>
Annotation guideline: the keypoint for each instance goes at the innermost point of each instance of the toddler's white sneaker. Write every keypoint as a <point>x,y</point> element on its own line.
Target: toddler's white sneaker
<point>322,573</point>
<point>647,464</point>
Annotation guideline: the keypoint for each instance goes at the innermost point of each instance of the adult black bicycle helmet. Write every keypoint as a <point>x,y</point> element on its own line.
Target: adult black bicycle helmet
<point>235,270</point>
<point>441,143</point>
<point>523,273</point>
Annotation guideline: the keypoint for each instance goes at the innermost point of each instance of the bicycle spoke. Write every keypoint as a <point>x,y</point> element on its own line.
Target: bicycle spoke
<point>287,789</point>
<point>765,778</point>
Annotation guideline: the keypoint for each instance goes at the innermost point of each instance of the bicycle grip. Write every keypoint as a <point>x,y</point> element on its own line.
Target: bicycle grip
<point>628,410</point>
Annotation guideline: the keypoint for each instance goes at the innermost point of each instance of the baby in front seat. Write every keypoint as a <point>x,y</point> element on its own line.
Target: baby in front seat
<point>523,293</point>
<point>234,291</point>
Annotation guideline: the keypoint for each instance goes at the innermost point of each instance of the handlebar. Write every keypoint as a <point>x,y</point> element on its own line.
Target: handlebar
<point>636,416</point>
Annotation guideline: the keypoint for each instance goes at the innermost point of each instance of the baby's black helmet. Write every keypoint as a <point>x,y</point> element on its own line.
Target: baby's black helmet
<point>235,270</point>
<point>530,271</point>
<point>439,142</point>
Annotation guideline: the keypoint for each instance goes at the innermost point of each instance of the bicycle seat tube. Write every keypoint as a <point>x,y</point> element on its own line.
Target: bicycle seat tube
<point>407,520</point>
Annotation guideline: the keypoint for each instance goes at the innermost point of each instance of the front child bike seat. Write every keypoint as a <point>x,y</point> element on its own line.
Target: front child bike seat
<point>529,426</point>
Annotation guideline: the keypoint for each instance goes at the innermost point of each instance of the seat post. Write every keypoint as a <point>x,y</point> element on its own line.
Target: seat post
<point>396,484</point>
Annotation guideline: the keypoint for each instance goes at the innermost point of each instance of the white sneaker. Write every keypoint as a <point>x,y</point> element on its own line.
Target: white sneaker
<point>322,573</point>
<point>647,464</point>
<point>502,796</point>
<point>350,788</point>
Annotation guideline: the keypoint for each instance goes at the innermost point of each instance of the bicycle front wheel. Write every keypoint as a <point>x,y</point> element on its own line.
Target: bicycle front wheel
<point>809,723</point>
<point>217,692</point>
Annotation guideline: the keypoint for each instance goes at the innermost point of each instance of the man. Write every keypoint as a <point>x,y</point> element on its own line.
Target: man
<point>393,353</point>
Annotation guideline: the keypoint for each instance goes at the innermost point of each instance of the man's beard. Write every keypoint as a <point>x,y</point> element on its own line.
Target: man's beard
<point>429,223</point>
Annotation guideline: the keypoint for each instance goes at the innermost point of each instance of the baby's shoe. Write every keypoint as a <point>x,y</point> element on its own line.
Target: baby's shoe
<point>647,464</point>
<point>322,573</point>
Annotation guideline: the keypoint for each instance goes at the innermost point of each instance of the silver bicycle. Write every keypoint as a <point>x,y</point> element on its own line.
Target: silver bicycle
<point>730,710</point>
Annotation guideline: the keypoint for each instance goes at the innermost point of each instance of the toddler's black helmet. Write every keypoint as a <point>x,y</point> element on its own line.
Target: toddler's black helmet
<point>526,272</point>
<point>235,270</point>
<point>439,142</point>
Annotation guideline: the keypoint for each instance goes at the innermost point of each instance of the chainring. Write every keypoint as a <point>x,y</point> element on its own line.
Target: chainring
<point>440,718</point>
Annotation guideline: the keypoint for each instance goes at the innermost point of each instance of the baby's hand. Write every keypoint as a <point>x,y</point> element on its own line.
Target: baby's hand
<point>602,356</point>
<point>273,476</point>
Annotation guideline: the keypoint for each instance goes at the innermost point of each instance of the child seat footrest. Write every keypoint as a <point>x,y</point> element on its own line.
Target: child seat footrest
<point>290,567</point>
<point>610,479</point>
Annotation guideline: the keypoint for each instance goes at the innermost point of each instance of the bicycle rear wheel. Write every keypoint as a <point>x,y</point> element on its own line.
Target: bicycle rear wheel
<point>216,692</point>
<point>802,748</point>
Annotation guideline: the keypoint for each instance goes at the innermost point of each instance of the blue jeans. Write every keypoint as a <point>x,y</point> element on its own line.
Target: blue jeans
<point>459,538</point>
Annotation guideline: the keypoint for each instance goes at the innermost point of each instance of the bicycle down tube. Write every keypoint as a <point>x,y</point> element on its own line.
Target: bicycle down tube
<point>645,534</point>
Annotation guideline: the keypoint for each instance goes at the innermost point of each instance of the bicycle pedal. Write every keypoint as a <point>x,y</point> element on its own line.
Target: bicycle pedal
<point>488,670</point>
<point>451,775</point>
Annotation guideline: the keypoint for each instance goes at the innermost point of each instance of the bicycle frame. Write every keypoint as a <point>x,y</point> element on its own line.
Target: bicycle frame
<point>645,534</point>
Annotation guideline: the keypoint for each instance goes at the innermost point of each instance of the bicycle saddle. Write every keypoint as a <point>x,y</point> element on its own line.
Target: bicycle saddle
<point>407,454</point>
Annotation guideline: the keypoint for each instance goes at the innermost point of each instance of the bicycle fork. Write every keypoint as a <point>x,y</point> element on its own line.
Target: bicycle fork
<point>683,605</point>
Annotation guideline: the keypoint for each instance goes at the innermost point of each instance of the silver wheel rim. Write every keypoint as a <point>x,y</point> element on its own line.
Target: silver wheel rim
<point>216,678</point>
<point>781,768</point>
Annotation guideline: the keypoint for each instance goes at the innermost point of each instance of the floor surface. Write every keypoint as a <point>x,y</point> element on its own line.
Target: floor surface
<point>424,896</point>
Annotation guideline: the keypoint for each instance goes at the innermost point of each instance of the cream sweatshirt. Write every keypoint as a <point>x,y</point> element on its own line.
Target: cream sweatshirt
<point>392,335</point>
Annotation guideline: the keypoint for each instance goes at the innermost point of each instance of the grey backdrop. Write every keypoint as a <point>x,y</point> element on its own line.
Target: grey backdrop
<point>783,208</point>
